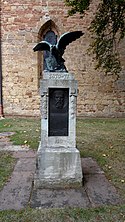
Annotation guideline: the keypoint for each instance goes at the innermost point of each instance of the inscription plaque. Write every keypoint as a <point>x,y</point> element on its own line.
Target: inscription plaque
<point>58,111</point>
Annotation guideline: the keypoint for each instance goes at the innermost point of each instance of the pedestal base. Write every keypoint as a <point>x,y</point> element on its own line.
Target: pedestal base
<point>60,167</point>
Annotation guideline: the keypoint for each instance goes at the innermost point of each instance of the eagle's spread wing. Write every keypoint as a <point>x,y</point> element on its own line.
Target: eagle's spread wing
<point>43,45</point>
<point>67,38</point>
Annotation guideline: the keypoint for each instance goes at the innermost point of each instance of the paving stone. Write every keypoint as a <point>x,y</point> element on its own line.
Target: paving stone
<point>19,191</point>
<point>24,154</point>
<point>25,165</point>
<point>6,134</point>
<point>5,145</point>
<point>97,191</point>
<point>5,140</point>
<point>12,148</point>
<point>16,193</point>
<point>90,166</point>
<point>100,191</point>
<point>45,198</point>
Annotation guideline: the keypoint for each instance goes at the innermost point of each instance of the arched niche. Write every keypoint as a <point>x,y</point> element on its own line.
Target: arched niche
<point>49,32</point>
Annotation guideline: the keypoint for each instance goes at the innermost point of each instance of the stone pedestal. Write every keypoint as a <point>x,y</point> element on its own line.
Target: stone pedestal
<point>58,160</point>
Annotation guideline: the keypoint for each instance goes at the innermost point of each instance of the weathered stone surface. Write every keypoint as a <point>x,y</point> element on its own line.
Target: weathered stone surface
<point>10,147</point>
<point>59,167</point>
<point>43,198</point>
<point>22,28</point>
<point>16,193</point>
<point>19,192</point>
<point>99,190</point>
<point>5,134</point>
<point>96,191</point>
<point>90,166</point>
<point>25,154</point>
<point>58,160</point>
<point>58,80</point>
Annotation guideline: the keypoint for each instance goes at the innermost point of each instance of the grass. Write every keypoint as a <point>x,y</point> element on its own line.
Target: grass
<point>104,140</point>
<point>105,214</point>
<point>101,139</point>
<point>7,163</point>
<point>27,131</point>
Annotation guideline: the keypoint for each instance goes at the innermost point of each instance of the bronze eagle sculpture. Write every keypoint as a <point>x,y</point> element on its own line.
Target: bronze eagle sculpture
<point>55,62</point>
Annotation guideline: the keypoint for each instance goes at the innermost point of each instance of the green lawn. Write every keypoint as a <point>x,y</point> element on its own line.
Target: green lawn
<point>105,214</point>
<point>27,130</point>
<point>104,140</point>
<point>101,139</point>
<point>7,163</point>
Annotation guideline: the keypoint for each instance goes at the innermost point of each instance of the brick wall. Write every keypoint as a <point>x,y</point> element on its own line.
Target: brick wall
<point>22,27</point>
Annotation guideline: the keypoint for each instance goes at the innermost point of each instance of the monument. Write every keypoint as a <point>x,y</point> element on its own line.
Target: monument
<point>58,160</point>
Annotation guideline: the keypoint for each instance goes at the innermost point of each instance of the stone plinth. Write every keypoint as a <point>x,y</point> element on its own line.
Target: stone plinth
<point>58,168</point>
<point>58,160</point>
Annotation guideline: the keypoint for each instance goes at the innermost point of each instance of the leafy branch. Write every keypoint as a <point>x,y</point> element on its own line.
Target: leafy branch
<point>108,29</point>
<point>77,6</point>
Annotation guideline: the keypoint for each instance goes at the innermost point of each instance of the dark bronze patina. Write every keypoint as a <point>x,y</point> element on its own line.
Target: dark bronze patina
<point>55,62</point>
<point>58,111</point>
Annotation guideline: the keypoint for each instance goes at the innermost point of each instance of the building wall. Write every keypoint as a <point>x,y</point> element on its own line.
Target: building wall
<point>23,25</point>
